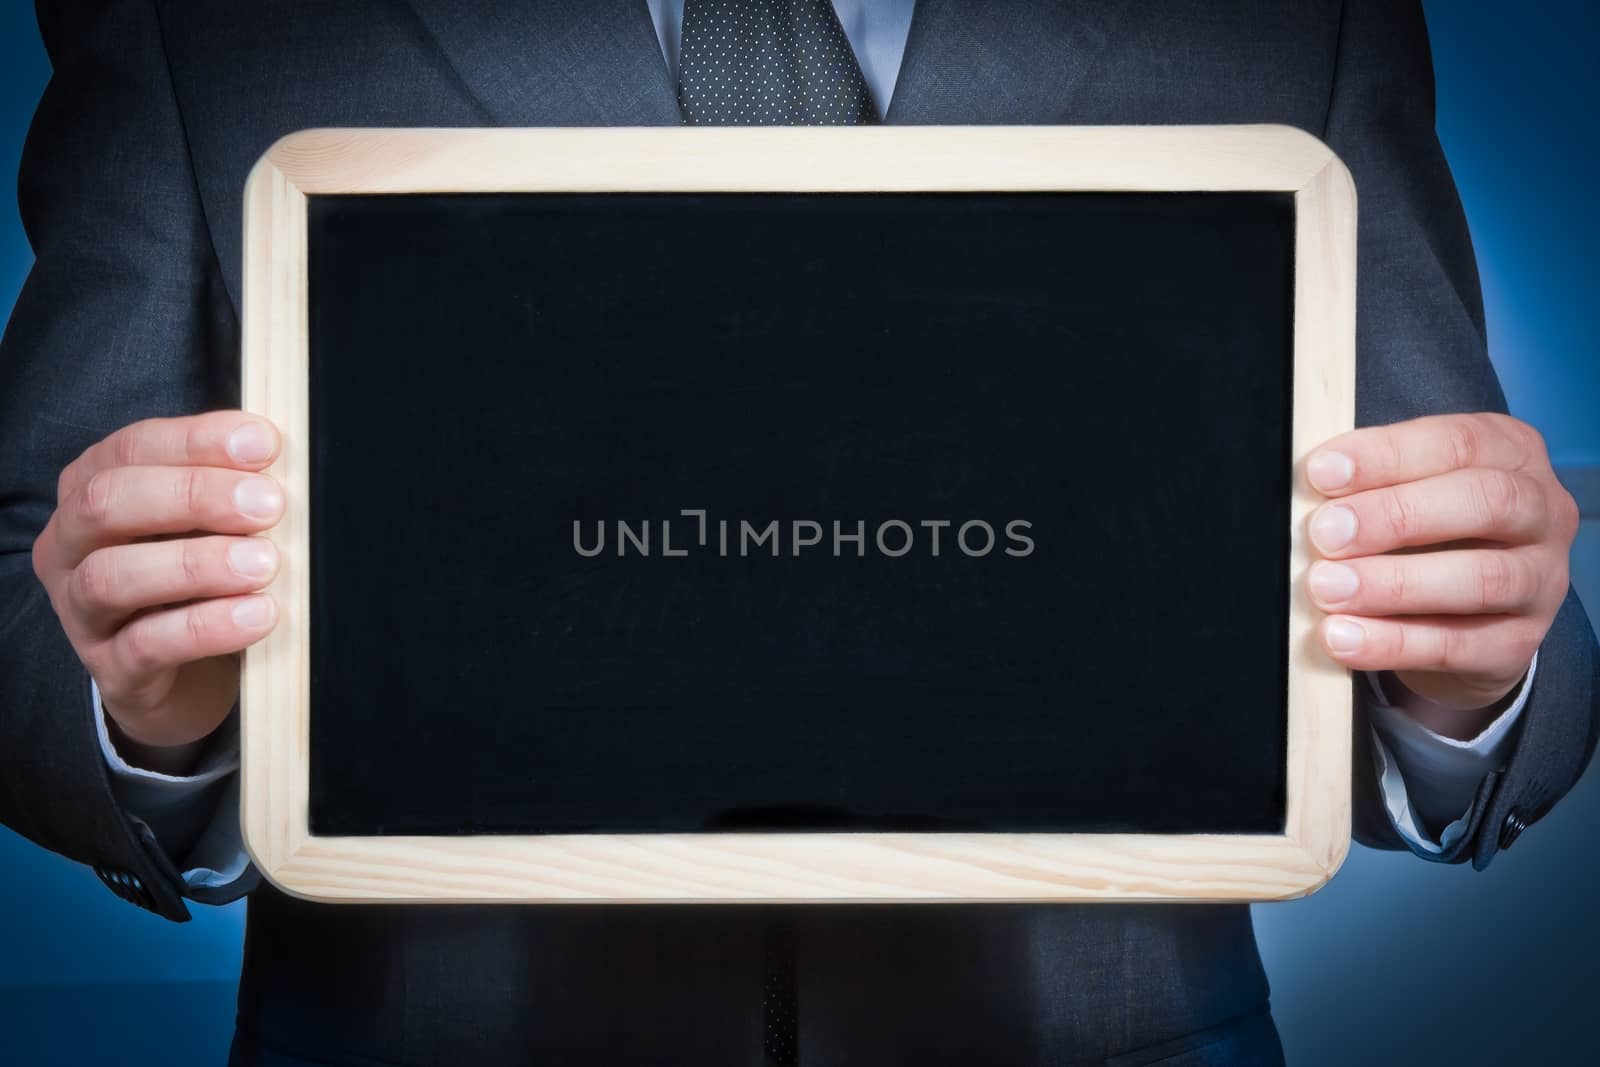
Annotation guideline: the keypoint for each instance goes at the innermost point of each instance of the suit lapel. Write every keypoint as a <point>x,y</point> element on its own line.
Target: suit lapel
<point>598,63</point>
<point>556,62</point>
<point>1000,61</point>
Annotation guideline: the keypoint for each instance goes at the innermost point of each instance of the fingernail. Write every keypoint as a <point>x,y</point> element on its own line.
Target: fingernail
<point>250,443</point>
<point>252,614</point>
<point>1330,470</point>
<point>254,558</point>
<point>1333,583</point>
<point>1333,527</point>
<point>259,498</point>
<point>1342,635</point>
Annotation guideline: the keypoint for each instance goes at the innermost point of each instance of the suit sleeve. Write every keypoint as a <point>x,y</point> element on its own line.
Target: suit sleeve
<point>123,317</point>
<point>1421,349</point>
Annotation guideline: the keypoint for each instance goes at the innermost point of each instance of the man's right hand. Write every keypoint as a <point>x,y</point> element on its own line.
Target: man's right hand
<point>150,566</point>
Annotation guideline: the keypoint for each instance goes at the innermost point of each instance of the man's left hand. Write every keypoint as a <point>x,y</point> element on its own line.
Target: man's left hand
<point>1444,550</point>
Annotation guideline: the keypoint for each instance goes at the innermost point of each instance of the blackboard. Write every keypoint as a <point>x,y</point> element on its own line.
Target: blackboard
<point>808,514</point>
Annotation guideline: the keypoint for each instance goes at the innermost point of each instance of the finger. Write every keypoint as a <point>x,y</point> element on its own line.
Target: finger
<point>122,503</point>
<point>113,583</point>
<point>163,718</point>
<point>163,640</point>
<point>1475,504</point>
<point>1410,451</point>
<point>1473,646</point>
<point>1464,582</point>
<point>216,439</point>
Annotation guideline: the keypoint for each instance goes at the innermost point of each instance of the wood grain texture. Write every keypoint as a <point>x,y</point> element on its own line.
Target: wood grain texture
<point>807,159</point>
<point>733,867</point>
<point>277,671</point>
<point>1324,405</point>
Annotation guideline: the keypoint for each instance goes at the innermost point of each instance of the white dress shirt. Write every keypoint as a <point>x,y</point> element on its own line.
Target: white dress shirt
<point>1427,779</point>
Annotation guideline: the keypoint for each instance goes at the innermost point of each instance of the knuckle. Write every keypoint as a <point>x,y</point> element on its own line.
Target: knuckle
<point>1553,579</point>
<point>1498,496</point>
<point>197,630</point>
<point>93,501</point>
<point>138,652</point>
<point>1393,583</point>
<point>193,441</point>
<point>1566,515</point>
<point>1400,514</point>
<point>1449,650</point>
<point>1534,501</point>
<point>1526,642</point>
<point>191,488</point>
<point>1499,582</point>
<point>1529,441</point>
<point>1514,646</point>
<point>69,477</point>
<point>192,563</point>
<point>42,553</point>
<point>1387,451</point>
<point>99,665</point>
<point>1465,441</point>
<point>125,443</point>
<point>1398,643</point>
<point>94,582</point>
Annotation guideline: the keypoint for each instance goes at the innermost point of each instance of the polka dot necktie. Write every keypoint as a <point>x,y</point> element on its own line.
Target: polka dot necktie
<point>769,63</point>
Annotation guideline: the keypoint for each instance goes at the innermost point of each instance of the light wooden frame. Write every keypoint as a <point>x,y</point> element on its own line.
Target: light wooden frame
<point>731,867</point>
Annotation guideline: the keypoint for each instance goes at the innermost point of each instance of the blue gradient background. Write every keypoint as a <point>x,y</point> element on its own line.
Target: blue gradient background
<point>1397,961</point>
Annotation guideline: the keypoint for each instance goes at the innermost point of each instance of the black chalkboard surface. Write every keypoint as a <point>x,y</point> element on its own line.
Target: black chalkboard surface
<point>1049,389</point>
<point>724,515</point>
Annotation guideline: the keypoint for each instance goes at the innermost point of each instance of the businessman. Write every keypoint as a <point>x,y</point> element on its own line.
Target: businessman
<point>131,501</point>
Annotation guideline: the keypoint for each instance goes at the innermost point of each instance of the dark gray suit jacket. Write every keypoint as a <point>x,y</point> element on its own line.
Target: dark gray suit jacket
<point>130,193</point>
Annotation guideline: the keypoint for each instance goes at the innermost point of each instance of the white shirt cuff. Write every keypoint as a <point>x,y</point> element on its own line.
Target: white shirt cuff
<point>218,856</point>
<point>1429,779</point>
